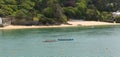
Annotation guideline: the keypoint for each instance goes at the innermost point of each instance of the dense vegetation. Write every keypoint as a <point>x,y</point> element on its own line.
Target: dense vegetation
<point>57,11</point>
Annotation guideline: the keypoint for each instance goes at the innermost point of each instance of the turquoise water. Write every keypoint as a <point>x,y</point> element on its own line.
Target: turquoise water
<point>101,41</point>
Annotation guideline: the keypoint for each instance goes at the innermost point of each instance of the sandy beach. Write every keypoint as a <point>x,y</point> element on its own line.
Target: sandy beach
<point>73,23</point>
<point>89,23</point>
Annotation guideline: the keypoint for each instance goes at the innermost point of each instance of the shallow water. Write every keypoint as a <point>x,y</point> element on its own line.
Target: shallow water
<point>101,41</point>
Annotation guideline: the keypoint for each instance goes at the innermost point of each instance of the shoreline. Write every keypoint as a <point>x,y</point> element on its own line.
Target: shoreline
<point>30,27</point>
<point>74,23</point>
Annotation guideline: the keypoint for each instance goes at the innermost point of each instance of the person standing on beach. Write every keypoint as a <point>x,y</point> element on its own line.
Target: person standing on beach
<point>0,20</point>
<point>114,20</point>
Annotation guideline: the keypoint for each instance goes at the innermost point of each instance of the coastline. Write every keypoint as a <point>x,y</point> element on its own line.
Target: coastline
<point>74,23</point>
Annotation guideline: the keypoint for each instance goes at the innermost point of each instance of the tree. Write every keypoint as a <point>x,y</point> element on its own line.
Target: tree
<point>7,7</point>
<point>92,14</point>
<point>57,10</point>
<point>82,6</point>
<point>70,12</point>
<point>54,10</point>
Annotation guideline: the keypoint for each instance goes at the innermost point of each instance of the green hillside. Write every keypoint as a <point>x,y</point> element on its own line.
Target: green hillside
<point>58,11</point>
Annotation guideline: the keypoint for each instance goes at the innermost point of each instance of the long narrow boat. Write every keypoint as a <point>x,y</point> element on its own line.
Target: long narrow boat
<point>65,39</point>
<point>50,41</point>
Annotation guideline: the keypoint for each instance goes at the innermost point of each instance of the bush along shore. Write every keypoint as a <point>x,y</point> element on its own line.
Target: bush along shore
<point>56,12</point>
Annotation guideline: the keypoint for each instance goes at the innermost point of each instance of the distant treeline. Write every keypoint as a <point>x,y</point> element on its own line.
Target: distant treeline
<point>58,11</point>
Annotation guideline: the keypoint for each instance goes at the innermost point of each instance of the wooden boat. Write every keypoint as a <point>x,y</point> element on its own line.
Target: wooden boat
<point>50,41</point>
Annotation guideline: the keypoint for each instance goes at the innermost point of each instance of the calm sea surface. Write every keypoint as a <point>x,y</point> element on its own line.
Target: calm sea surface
<point>101,41</point>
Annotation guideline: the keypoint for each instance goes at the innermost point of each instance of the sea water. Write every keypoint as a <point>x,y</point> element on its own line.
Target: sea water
<point>102,41</point>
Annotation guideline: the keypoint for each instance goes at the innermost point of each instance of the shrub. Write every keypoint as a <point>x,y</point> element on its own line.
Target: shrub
<point>117,19</point>
<point>92,14</point>
<point>105,16</point>
<point>48,12</point>
<point>47,21</point>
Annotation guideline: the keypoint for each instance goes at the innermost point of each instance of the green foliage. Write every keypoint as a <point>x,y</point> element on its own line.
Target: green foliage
<point>20,14</point>
<point>81,5</point>
<point>58,11</point>
<point>27,4</point>
<point>47,21</point>
<point>48,12</point>
<point>70,12</point>
<point>92,14</point>
<point>38,17</point>
<point>117,19</point>
<point>105,16</point>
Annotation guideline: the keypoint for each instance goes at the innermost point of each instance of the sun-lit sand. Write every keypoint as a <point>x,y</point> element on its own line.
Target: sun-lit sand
<point>72,23</point>
<point>89,23</point>
<point>25,27</point>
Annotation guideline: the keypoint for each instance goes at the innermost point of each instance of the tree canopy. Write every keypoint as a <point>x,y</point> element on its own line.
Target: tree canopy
<point>58,10</point>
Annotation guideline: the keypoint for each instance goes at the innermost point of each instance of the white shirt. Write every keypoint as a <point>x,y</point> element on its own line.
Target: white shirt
<point>0,20</point>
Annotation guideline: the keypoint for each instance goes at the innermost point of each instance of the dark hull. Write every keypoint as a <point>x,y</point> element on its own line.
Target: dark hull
<point>65,39</point>
<point>50,41</point>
